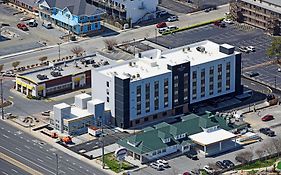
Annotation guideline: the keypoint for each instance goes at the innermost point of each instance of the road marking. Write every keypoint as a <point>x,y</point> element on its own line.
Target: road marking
<point>27,147</point>
<point>21,137</point>
<point>40,147</point>
<point>67,160</point>
<point>81,167</point>
<point>5,173</point>
<point>18,149</point>
<point>253,84</point>
<point>14,171</point>
<point>48,157</point>
<point>40,160</point>
<point>71,169</point>
<point>87,170</point>
<point>27,140</point>
<point>62,172</point>
<point>5,136</point>
<point>9,131</point>
<point>73,163</point>
<point>2,128</point>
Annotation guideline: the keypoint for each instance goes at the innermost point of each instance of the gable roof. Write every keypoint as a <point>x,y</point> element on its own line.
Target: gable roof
<point>76,7</point>
<point>151,138</point>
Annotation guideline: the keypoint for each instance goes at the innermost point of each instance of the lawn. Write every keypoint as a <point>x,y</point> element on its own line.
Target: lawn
<point>114,165</point>
<point>258,164</point>
<point>279,165</point>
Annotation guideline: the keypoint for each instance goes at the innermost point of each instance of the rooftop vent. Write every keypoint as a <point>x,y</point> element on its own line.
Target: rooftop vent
<point>56,73</point>
<point>186,49</point>
<point>201,49</point>
<point>42,77</point>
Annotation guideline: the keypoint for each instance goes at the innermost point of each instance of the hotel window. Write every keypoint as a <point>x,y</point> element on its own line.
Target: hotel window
<point>107,84</point>
<point>166,98</point>
<point>156,95</point>
<point>147,97</point>
<point>107,99</point>
<point>211,70</point>
<point>194,75</point>
<point>138,97</point>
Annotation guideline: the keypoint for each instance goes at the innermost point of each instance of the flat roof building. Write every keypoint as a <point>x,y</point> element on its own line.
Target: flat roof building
<point>157,84</point>
<point>265,14</point>
<point>60,77</point>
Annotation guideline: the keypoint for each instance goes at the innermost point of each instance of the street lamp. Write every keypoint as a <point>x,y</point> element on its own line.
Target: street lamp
<point>57,163</point>
<point>134,46</point>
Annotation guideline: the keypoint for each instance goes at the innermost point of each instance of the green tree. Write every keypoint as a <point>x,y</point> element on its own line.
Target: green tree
<point>15,64</point>
<point>274,51</point>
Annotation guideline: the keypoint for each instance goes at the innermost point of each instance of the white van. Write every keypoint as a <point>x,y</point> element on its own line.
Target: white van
<point>47,25</point>
<point>172,27</point>
<point>163,30</point>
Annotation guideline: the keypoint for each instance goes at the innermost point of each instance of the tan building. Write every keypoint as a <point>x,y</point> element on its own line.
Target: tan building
<point>265,14</point>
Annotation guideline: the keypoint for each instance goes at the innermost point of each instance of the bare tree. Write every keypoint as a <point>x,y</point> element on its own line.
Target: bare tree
<point>15,64</point>
<point>244,157</point>
<point>259,153</point>
<point>42,59</point>
<point>1,67</point>
<point>110,43</point>
<point>77,50</point>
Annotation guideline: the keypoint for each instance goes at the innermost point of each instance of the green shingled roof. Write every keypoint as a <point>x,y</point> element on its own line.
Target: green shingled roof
<point>151,139</point>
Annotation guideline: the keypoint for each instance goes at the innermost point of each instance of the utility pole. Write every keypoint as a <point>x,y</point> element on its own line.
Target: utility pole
<point>156,36</point>
<point>59,49</point>
<point>57,160</point>
<point>102,144</point>
<point>2,98</point>
<point>134,46</point>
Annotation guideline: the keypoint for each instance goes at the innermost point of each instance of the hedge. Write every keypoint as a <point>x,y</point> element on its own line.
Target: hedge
<point>192,26</point>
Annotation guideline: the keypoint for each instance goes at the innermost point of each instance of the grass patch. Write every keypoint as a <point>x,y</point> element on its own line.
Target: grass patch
<point>192,26</point>
<point>113,164</point>
<point>279,165</point>
<point>258,164</point>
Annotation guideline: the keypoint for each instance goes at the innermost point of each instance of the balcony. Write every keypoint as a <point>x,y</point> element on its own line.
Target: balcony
<point>255,11</point>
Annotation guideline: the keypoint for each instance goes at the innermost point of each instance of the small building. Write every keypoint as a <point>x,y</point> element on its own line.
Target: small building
<point>94,131</point>
<point>207,134</point>
<point>77,16</point>
<point>59,77</point>
<point>265,14</point>
<point>76,119</point>
<point>26,4</point>
<point>133,11</point>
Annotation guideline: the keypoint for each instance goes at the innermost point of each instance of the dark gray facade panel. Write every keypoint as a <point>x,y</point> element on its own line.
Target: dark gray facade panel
<point>238,86</point>
<point>122,106</point>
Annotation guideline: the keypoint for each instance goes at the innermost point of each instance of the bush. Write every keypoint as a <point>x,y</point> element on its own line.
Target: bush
<point>192,26</point>
<point>114,165</point>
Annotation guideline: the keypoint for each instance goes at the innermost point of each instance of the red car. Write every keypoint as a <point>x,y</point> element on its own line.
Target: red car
<point>22,26</point>
<point>186,173</point>
<point>268,117</point>
<point>161,25</point>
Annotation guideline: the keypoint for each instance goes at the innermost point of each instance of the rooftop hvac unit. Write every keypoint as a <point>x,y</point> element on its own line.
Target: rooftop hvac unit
<point>42,77</point>
<point>138,75</point>
<point>200,49</point>
<point>55,73</point>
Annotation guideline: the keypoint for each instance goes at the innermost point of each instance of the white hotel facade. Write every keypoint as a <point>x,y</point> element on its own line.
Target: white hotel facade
<point>158,84</point>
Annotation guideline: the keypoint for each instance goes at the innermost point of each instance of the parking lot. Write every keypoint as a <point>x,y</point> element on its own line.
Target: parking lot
<point>16,40</point>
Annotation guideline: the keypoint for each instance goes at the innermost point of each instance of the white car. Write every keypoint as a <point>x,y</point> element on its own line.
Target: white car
<point>172,18</point>
<point>228,21</point>
<point>279,69</point>
<point>208,169</point>
<point>157,166</point>
<point>251,48</point>
<point>163,162</point>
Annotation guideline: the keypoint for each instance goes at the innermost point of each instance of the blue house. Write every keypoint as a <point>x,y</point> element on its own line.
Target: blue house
<point>77,16</point>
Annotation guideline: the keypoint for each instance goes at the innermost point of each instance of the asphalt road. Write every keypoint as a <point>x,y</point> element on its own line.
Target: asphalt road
<point>39,155</point>
<point>6,169</point>
<point>97,43</point>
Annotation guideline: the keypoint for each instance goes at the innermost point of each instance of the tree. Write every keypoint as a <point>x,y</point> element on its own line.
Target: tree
<point>77,50</point>
<point>274,51</point>
<point>1,67</point>
<point>110,43</point>
<point>259,153</point>
<point>42,59</point>
<point>15,64</point>
<point>244,157</point>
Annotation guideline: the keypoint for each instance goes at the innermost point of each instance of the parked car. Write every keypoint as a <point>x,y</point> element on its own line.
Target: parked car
<point>228,163</point>
<point>186,173</point>
<point>163,12</point>
<point>163,162</point>
<point>267,117</point>
<point>172,18</point>
<point>47,25</point>
<point>251,48</point>
<point>208,169</point>
<point>228,21</point>
<point>279,69</point>
<point>173,27</point>
<point>25,18</point>
<point>32,23</point>
<point>220,165</point>
<point>163,30</point>
<point>270,97</point>
<point>243,49</point>
<point>267,131</point>
<point>157,166</point>
<point>22,26</point>
<point>5,24</point>
<point>46,113</point>
<point>161,25</point>
<point>253,74</point>
<point>192,155</point>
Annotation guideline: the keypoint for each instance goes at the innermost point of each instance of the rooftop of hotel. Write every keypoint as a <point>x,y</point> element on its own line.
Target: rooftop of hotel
<point>154,62</point>
<point>66,68</point>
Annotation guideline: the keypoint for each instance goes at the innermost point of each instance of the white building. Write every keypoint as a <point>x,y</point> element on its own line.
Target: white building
<point>156,84</point>
<point>136,10</point>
